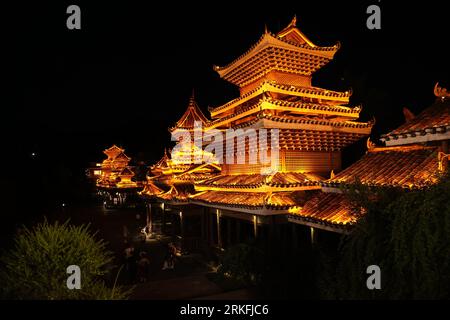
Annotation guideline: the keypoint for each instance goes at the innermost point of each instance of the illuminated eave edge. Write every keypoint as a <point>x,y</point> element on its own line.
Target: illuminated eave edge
<point>425,135</point>
<point>269,39</point>
<point>306,92</point>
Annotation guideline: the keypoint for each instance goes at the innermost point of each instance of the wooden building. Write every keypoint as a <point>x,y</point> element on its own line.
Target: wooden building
<point>415,157</point>
<point>314,124</point>
<point>114,182</point>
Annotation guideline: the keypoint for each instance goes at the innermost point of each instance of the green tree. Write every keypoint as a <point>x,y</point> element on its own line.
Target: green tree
<point>405,233</point>
<point>35,268</point>
<point>242,262</point>
<point>420,244</point>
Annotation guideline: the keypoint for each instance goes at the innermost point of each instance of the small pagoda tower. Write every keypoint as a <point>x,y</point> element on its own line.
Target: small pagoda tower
<point>171,180</point>
<point>115,182</point>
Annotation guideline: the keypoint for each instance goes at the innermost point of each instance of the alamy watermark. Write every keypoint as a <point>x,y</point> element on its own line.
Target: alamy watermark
<point>74,280</point>
<point>373,21</point>
<point>229,146</point>
<point>374,280</point>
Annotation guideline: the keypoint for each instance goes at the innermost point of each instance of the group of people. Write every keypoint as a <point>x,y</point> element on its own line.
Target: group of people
<point>137,266</point>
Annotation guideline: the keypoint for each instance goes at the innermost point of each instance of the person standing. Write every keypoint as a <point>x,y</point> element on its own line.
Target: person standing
<point>143,267</point>
<point>130,263</point>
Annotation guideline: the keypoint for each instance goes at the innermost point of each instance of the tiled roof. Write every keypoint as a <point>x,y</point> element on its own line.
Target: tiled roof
<point>434,119</point>
<point>190,116</point>
<point>253,200</point>
<point>126,172</point>
<point>309,92</point>
<point>113,151</point>
<point>122,156</point>
<point>150,189</point>
<point>328,208</point>
<point>163,163</point>
<point>283,52</point>
<point>312,140</point>
<point>179,193</point>
<point>324,122</point>
<point>406,167</point>
<point>279,179</point>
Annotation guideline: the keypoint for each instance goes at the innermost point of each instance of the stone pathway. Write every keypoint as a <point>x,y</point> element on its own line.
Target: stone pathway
<point>187,281</point>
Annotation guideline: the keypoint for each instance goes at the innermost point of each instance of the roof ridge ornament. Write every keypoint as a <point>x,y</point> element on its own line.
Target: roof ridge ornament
<point>408,114</point>
<point>293,22</point>
<point>370,145</point>
<point>441,92</point>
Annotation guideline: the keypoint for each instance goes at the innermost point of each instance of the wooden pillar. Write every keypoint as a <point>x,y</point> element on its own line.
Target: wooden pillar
<point>294,237</point>
<point>255,226</point>
<point>271,231</point>
<point>173,219</point>
<point>163,218</point>
<point>228,232</point>
<point>182,234</point>
<point>219,233</point>
<point>276,227</point>
<point>211,228</point>
<point>203,224</point>
<point>238,231</point>
<point>313,233</point>
<point>149,218</point>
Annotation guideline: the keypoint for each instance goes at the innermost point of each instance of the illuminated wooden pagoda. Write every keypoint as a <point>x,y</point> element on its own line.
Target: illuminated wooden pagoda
<point>415,156</point>
<point>115,175</point>
<point>171,181</point>
<point>314,124</point>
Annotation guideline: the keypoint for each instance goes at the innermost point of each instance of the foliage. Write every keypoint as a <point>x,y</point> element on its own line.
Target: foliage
<point>405,233</point>
<point>36,267</point>
<point>243,263</point>
<point>274,269</point>
<point>420,244</point>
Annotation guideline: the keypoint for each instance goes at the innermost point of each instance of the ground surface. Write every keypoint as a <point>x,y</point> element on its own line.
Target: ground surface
<point>187,281</point>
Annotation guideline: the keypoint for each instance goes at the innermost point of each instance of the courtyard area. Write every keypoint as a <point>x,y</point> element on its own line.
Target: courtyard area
<point>191,277</point>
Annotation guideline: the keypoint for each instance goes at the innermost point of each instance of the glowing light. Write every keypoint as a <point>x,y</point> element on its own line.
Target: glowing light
<point>255,225</point>
<point>312,234</point>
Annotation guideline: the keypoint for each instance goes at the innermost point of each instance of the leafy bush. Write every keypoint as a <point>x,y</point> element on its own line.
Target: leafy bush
<point>405,233</point>
<point>36,267</point>
<point>242,262</point>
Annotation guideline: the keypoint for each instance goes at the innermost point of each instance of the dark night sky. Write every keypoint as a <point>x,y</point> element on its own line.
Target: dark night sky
<point>128,74</point>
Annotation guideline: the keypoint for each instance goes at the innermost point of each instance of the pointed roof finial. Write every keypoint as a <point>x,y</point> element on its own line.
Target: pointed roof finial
<point>370,145</point>
<point>294,21</point>
<point>265,29</point>
<point>191,103</point>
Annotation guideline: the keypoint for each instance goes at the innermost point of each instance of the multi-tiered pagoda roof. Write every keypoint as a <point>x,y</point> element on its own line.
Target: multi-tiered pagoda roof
<point>172,177</point>
<point>115,170</point>
<point>192,115</point>
<point>314,124</point>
